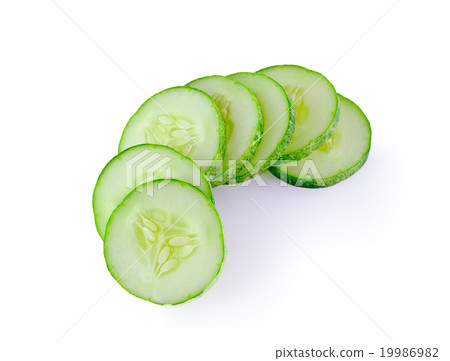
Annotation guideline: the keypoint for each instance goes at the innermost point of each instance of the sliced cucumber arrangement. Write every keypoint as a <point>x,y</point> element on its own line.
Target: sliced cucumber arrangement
<point>243,121</point>
<point>182,118</point>
<point>316,107</point>
<point>153,204</point>
<point>279,121</point>
<point>343,155</point>
<point>167,246</point>
<point>135,166</point>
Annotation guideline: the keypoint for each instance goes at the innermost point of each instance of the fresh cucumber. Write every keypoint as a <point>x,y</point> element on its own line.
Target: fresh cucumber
<point>343,154</point>
<point>165,246</point>
<point>243,121</point>
<point>316,107</point>
<point>279,121</point>
<point>182,118</point>
<point>137,165</point>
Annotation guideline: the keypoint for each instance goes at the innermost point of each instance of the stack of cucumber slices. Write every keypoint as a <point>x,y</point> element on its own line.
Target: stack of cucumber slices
<point>153,202</point>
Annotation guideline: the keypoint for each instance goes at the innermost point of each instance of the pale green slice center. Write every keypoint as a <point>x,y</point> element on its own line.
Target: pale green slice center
<point>164,248</point>
<point>224,106</point>
<point>178,133</point>
<point>295,93</point>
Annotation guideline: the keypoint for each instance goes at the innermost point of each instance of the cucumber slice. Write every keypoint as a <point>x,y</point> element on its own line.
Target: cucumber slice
<point>279,121</point>
<point>243,121</point>
<point>316,107</point>
<point>182,118</point>
<point>342,156</point>
<point>135,166</point>
<point>165,246</point>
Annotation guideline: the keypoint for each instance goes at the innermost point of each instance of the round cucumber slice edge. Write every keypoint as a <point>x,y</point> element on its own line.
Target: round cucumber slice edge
<point>283,142</point>
<point>200,195</point>
<point>100,224</point>
<point>307,182</point>
<point>323,137</point>
<point>142,112</point>
<point>227,174</point>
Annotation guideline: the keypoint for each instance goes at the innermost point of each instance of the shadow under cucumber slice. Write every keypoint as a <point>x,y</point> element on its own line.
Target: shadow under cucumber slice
<point>316,107</point>
<point>135,166</point>
<point>342,156</point>
<point>164,242</point>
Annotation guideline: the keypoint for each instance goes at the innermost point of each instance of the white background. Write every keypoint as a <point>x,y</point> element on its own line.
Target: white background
<point>372,269</point>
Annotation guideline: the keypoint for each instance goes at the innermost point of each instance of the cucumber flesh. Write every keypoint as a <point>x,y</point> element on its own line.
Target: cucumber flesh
<point>182,118</point>
<point>279,121</point>
<point>135,166</point>
<point>316,107</point>
<point>243,121</point>
<point>342,156</point>
<point>165,246</point>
